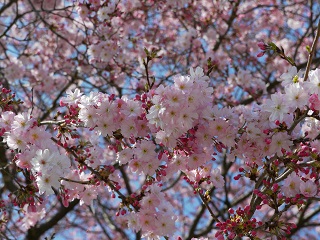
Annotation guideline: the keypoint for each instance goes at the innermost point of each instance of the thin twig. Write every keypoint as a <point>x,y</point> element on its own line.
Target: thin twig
<point>311,53</point>
<point>208,207</point>
<point>50,122</point>
<point>295,123</point>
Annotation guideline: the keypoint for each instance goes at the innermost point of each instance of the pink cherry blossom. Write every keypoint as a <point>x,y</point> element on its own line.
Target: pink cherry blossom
<point>276,106</point>
<point>308,189</point>
<point>292,185</point>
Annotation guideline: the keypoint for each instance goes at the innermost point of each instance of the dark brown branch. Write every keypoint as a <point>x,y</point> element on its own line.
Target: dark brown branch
<point>35,232</point>
<point>5,7</point>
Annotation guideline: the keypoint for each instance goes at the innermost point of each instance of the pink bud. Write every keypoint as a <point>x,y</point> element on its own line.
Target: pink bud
<point>65,202</point>
<point>137,97</point>
<point>268,141</point>
<point>231,211</point>
<point>262,45</point>
<point>231,235</point>
<point>247,209</point>
<point>256,191</point>
<point>266,131</point>
<point>258,207</point>
<point>275,187</point>
<point>62,104</point>
<point>237,177</point>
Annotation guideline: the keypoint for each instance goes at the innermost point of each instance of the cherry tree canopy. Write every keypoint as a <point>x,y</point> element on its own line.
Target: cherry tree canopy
<point>131,119</point>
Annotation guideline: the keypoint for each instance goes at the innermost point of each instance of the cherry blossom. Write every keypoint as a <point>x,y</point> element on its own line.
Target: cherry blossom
<point>276,106</point>
<point>292,185</point>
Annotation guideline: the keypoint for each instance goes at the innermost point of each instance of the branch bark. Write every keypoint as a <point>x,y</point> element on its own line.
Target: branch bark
<point>35,232</point>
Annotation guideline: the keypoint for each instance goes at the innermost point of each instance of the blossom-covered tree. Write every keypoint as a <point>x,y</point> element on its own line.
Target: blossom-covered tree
<point>131,119</point>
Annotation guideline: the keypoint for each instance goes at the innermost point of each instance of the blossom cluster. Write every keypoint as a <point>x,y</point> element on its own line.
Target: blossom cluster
<point>156,216</point>
<point>135,148</point>
<point>163,132</point>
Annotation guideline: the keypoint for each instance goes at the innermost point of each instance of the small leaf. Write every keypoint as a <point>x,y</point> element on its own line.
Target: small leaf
<point>146,51</point>
<point>272,46</point>
<point>308,49</point>
<point>146,86</point>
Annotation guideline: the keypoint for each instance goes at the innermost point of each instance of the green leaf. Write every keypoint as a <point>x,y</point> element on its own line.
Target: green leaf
<point>146,51</point>
<point>272,46</point>
<point>146,86</point>
<point>308,49</point>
